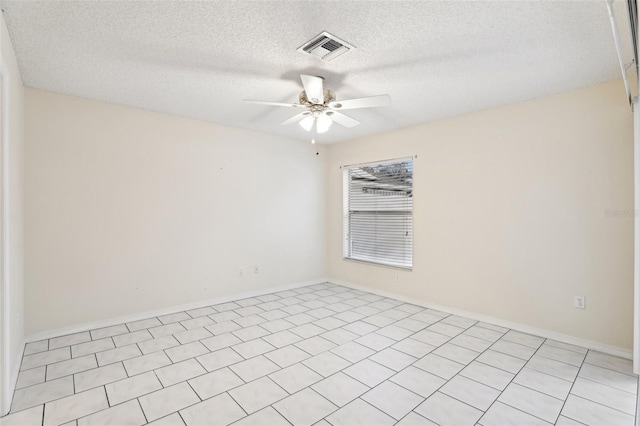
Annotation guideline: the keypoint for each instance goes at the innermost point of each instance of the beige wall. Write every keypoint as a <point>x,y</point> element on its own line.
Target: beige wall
<point>13,162</point>
<point>129,211</point>
<point>509,213</point>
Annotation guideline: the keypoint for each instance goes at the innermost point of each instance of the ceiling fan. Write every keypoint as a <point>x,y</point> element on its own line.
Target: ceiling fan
<point>321,107</point>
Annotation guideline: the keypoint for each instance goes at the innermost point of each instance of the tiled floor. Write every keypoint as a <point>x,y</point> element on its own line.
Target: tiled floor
<point>325,355</point>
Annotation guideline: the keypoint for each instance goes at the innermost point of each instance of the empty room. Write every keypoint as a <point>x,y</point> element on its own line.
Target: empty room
<point>331,213</point>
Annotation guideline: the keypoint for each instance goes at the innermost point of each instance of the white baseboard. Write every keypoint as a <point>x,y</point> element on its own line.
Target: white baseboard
<point>572,340</point>
<point>164,311</point>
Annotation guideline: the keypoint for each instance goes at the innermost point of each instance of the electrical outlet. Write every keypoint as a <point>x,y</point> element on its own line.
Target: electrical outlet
<point>256,269</point>
<point>240,272</point>
<point>580,302</point>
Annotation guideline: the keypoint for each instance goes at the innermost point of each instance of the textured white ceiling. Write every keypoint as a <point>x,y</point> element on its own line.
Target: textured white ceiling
<point>200,59</point>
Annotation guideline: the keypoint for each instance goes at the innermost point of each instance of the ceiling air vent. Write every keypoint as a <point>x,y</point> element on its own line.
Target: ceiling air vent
<point>325,46</point>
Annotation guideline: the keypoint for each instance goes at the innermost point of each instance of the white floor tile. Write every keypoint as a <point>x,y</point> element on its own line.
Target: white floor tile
<point>394,332</point>
<point>483,333</point>
<point>44,358</point>
<point>369,372</point>
<point>31,377</point>
<point>158,344</point>
<point>304,408</point>
<point>544,383</point>
<point>413,419</point>
<point>605,395</point>
<point>490,376</point>
<point>220,341</point>
<point>360,413</point>
<point>514,349</point>
<point>116,355</point>
<point>92,347</point>
<point>418,381</point>
<point>36,347</point>
<point>258,394</point>
<point>167,329</point>
<point>361,328</point>
<point>43,392</point>
<point>254,368</point>
<point>375,341</point>
<point>393,359</point>
<point>414,347</point>
<point>165,401</point>
<point>253,348</point>
<point>532,402</point>
<point>192,335</point>
<point>69,339</point>
<point>500,414</point>
<point>315,345</point>
<point>562,355</point>
<point>131,388</point>
<point>523,339</point>
<point>145,363</point>
<point>222,408</point>
<point>32,416</point>
<point>456,353</point>
<point>282,338</point>
<point>218,359</point>
<point>340,389</point>
<point>127,414</point>
<point>170,420</point>
<point>222,327</point>
<point>445,410</point>
<point>592,413</point>
<point>74,406</point>
<point>431,337</point>
<point>70,366</point>
<point>287,356</point>
<point>609,377</point>
<point>502,361</point>
<point>375,357</point>
<point>182,352</point>
<point>470,392</point>
<point>142,324</point>
<point>180,316</point>
<point>295,378</point>
<point>216,382</point>
<point>266,416</point>
<point>250,333</point>
<point>326,363</point>
<point>353,352</point>
<point>176,373</point>
<point>610,362</point>
<point>392,399</point>
<point>99,376</point>
<point>101,333</point>
<point>196,322</point>
<point>441,367</point>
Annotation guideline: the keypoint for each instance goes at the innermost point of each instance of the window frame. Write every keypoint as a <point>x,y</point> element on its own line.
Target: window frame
<point>346,237</point>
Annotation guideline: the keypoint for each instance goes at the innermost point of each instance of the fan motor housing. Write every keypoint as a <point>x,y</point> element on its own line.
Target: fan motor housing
<point>329,96</point>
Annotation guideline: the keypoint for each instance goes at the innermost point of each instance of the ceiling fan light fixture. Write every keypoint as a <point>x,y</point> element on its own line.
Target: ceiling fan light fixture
<point>307,123</point>
<point>323,122</point>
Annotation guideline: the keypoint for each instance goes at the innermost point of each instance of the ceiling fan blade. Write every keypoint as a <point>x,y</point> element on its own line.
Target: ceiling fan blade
<point>296,118</point>
<point>272,103</point>
<point>342,119</point>
<point>314,88</point>
<point>370,102</point>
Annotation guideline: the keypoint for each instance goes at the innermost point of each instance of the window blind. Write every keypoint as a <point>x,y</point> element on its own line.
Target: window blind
<point>378,213</point>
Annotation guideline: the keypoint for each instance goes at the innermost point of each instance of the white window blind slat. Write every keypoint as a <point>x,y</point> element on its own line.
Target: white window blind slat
<point>378,213</point>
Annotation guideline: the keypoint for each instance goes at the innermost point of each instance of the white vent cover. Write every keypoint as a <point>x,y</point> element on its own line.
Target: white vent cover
<point>325,46</point>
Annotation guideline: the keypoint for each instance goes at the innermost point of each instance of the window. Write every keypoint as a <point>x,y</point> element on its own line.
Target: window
<point>378,213</point>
